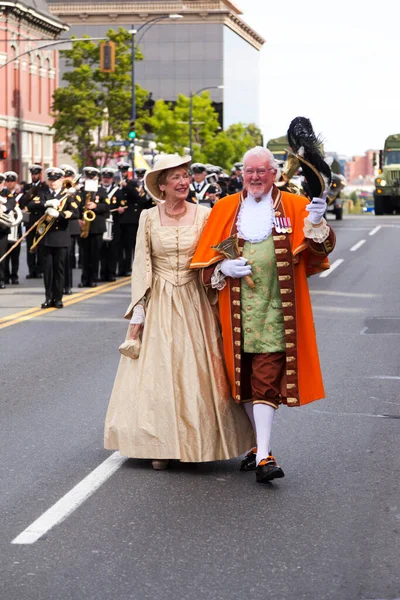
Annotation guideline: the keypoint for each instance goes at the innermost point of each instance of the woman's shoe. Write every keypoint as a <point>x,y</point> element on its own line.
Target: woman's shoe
<point>160,465</point>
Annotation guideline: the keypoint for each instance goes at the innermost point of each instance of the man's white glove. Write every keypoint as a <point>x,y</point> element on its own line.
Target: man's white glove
<point>235,267</point>
<point>138,315</point>
<point>3,200</point>
<point>52,212</point>
<point>316,209</point>
<point>52,203</point>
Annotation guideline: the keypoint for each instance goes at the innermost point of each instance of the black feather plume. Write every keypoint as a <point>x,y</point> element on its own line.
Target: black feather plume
<point>307,147</point>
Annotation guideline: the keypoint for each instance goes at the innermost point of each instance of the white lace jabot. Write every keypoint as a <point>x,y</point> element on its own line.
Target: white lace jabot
<point>256,219</point>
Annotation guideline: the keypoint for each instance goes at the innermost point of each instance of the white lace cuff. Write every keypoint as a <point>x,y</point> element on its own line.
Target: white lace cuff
<point>316,234</point>
<point>138,315</point>
<point>218,279</point>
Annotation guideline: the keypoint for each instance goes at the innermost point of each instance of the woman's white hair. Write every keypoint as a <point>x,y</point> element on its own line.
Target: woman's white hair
<point>262,153</point>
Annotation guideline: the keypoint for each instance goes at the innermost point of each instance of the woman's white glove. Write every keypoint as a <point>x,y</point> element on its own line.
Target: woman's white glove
<point>138,315</point>
<point>52,203</point>
<point>235,267</point>
<point>52,212</point>
<point>316,209</point>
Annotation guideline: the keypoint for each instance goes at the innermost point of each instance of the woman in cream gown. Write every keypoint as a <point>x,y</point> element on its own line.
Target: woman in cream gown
<point>174,401</point>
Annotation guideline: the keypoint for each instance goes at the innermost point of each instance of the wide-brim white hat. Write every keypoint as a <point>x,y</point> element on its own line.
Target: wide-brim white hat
<point>164,162</point>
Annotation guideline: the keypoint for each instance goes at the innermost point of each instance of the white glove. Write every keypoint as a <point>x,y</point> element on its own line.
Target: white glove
<point>52,203</point>
<point>138,315</point>
<point>317,209</point>
<point>52,212</point>
<point>3,200</point>
<point>235,267</point>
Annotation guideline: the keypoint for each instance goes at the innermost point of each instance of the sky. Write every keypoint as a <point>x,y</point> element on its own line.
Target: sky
<point>336,62</point>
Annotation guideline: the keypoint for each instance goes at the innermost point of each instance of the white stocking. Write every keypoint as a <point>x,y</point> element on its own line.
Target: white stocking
<point>249,410</point>
<point>263,417</point>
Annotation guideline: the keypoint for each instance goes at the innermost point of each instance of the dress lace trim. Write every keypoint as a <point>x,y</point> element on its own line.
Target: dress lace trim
<point>255,219</point>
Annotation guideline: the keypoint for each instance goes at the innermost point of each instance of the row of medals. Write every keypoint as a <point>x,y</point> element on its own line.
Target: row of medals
<point>282,225</point>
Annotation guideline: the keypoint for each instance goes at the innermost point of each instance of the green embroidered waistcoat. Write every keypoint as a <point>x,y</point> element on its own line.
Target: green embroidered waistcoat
<point>262,315</point>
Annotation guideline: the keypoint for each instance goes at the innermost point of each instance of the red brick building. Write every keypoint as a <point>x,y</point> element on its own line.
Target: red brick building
<point>361,168</point>
<point>27,84</point>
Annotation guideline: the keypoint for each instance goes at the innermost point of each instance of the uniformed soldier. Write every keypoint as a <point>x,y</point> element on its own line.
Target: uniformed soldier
<point>74,229</point>
<point>236,181</point>
<point>62,207</point>
<point>133,199</point>
<point>94,198</point>
<point>10,191</point>
<point>7,204</point>
<point>109,249</point>
<point>33,209</point>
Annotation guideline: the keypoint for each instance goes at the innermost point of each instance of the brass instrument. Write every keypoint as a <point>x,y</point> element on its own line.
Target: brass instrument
<point>11,220</point>
<point>88,216</point>
<point>45,223</point>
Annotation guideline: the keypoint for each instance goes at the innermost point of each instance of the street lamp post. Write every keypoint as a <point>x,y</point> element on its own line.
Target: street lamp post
<point>192,94</point>
<point>134,31</point>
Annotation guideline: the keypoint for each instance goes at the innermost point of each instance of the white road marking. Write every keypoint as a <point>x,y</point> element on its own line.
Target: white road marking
<point>357,246</point>
<point>71,501</point>
<point>375,229</point>
<point>384,377</point>
<point>344,294</point>
<point>333,266</point>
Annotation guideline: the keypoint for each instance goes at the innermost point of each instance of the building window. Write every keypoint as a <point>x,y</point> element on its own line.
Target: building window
<point>48,147</point>
<point>37,147</point>
<point>39,84</point>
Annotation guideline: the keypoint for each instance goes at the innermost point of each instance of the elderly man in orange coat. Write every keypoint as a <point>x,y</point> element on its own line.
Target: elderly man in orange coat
<point>265,309</point>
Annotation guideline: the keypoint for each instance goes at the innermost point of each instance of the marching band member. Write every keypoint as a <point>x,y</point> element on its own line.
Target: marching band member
<point>95,202</point>
<point>30,203</point>
<point>60,208</point>
<point>109,249</point>
<point>130,196</point>
<point>74,229</point>
<point>7,204</point>
<point>10,191</point>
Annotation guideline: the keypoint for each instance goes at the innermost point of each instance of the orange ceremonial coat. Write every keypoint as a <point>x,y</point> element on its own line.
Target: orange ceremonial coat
<point>297,258</point>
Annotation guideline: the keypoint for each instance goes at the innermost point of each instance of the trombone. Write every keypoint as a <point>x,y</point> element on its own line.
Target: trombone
<point>42,227</point>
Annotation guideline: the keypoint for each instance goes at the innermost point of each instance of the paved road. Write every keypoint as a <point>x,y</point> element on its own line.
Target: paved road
<point>329,531</point>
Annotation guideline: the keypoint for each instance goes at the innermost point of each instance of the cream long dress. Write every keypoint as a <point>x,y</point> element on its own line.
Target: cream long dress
<point>174,401</point>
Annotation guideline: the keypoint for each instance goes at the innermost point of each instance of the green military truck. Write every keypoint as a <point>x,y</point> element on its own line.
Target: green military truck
<point>278,147</point>
<point>387,184</point>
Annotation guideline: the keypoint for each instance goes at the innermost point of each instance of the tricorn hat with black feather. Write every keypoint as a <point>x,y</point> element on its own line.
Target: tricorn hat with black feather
<point>306,147</point>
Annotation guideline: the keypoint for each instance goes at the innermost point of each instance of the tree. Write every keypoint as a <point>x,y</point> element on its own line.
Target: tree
<point>170,124</point>
<point>93,97</point>
<point>230,145</point>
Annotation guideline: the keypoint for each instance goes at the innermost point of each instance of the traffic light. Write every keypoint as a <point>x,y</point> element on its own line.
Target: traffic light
<point>132,132</point>
<point>107,57</point>
<point>3,154</point>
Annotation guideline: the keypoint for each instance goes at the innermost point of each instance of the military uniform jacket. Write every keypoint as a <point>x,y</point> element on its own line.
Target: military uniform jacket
<point>101,211</point>
<point>10,204</point>
<point>30,201</point>
<point>135,199</point>
<point>74,227</point>
<point>58,235</point>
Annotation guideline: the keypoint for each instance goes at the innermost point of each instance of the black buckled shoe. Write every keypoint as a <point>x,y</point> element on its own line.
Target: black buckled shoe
<point>47,304</point>
<point>249,461</point>
<point>268,469</point>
